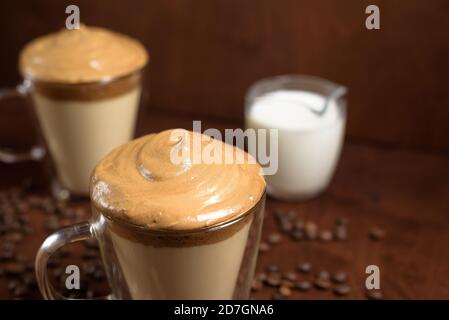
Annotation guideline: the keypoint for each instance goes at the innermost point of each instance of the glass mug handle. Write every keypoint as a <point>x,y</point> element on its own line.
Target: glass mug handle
<point>58,239</point>
<point>36,153</point>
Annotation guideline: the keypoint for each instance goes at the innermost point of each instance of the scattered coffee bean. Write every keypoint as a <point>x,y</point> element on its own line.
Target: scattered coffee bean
<point>377,234</point>
<point>285,291</point>
<point>273,280</point>
<point>29,280</point>
<point>20,290</point>
<point>287,283</point>
<point>297,235</point>
<point>256,285</point>
<point>374,294</point>
<point>339,277</point>
<point>90,293</point>
<point>261,276</point>
<point>264,247</point>
<point>13,237</point>
<point>322,284</point>
<point>323,274</point>
<point>291,276</point>
<point>304,267</point>
<point>341,233</point>
<point>14,268</point>
<point>277,296</point>
<point>274,238</point>
<point>342,290</point>
<point>99,275</point>
<point>12,285</point>
<point>325,236</point>
<point>52,223</point>
<point>291,215</point>
<point>311,230</point>
<point>286,226</point>
<point>273,268</point>
<point>303,286</point>
<point>342,221</point>
<point>299,225</point>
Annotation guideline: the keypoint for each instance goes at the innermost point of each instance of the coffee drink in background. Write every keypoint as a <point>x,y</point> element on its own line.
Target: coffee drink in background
<point>86,86</point>
<point>182,230</point>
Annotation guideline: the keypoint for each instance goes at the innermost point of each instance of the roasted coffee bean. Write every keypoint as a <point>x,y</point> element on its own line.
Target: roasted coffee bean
<point>342,221</point>
<point>297,235</point>
<point>58,272</point>
<point>89,268</point>
<point>279,214</point>
<point>53,262</point>
<point>264,247</point>
<point>261,276</point>
<point>29,280</point>
<point>286,226</point>
<point>374,294</point>
<point>311,230</point>
<point>52,223</point>
<point>13,237</point>
<point>27,230</point>
<point>277,296</point>
<point>90,293</point>
<point>291,276</point>
<point>272,268</point>
<point>342,290</point>
<point>256,285</point>
<point>274,238</point>
<point>287,283</point>
<point>285,291</point>
<point>273,280</point>
<point>291,215</point>
<point>322,284</point>
<point>339,277</point>
<point>6,255</point>
<point>325,235</point>
<point>14,268</point>
<point>341,233</point>
<point>12,285</point>
<point>304,267</point>
<point>323,274</point>
<point>299,225</point>
<point>99,275</point>
<point>303,286</point>
<point>21,290</point>
<point>377,234</point>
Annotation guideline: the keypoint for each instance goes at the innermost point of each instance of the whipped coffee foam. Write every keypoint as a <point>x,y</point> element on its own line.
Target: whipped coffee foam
<point>138,183</point>
<point>82,55</point>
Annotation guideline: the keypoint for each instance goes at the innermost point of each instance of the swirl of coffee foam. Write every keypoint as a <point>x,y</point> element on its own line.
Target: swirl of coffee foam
<point>161,181</point>
<point>88,54</point>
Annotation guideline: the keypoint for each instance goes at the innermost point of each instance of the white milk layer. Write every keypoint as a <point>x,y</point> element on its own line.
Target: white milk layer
<point>309,144</point>
<point>80,133</point>
<point>205,272</point>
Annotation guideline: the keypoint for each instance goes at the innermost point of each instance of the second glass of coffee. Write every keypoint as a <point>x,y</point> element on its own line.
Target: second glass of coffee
<point>85,85</point>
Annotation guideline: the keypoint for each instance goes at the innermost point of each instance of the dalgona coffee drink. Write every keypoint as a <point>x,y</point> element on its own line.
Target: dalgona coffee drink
<point>86,86</point>
<point>183,230</point>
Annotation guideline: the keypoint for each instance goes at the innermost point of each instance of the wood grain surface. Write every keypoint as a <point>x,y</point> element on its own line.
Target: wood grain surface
<point>401,191</point>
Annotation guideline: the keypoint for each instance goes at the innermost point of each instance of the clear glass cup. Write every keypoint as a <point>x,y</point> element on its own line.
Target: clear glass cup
<point>307,157</point>
<point>215,262</point>
<point>80,123</point>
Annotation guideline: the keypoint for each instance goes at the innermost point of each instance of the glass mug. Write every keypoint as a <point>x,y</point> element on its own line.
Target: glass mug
<point>215,262</point>
<point>80,123</point>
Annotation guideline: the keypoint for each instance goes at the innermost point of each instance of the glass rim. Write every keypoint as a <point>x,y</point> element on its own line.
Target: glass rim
<point>27,78</point>
<point>174,232</point>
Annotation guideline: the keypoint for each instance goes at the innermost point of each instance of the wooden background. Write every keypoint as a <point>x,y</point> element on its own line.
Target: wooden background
<point>205,54</point>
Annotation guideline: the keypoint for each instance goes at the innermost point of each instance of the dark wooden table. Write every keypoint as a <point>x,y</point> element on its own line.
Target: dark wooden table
<point>404,192</point>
